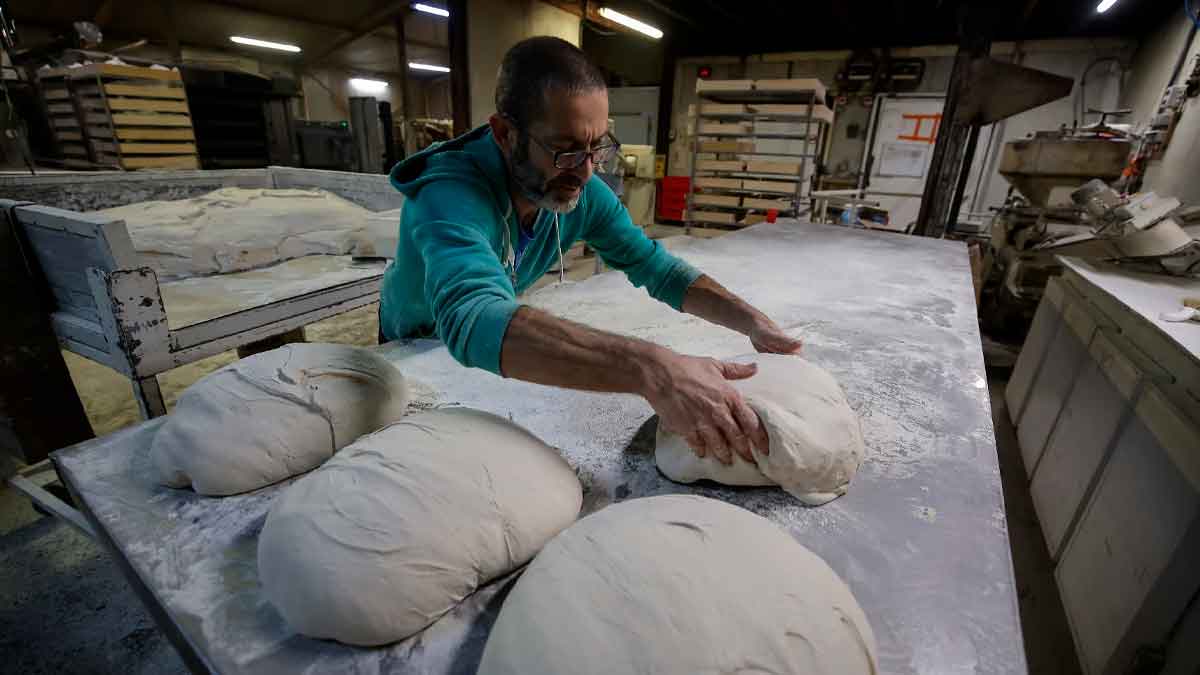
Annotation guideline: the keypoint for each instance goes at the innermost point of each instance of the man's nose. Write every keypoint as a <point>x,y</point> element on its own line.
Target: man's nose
<point>585,169</point>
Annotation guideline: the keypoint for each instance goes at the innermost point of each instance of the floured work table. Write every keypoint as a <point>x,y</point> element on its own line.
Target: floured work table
<point>920,538</point>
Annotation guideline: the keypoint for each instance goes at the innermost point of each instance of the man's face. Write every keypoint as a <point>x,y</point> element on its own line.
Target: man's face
<point>570,123</point>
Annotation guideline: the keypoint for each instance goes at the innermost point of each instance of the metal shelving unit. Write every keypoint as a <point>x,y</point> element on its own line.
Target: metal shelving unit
<point>744,180</point>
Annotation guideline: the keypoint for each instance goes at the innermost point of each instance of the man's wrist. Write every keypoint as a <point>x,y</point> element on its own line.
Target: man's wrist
<point>651,368</point>
<point>758,323</point>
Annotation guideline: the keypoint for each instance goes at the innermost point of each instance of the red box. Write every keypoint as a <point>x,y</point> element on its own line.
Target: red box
<point>672,197</point>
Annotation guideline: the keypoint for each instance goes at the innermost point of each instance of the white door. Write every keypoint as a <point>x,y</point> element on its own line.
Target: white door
<point>905,132</point>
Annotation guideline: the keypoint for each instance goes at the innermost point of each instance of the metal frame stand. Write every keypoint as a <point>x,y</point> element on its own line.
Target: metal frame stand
<point>814,142</point>
<point>981,91</point>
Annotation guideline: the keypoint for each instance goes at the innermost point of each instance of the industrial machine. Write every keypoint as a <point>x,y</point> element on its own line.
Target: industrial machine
<point>1039,213</point>
<point>1054,215</point>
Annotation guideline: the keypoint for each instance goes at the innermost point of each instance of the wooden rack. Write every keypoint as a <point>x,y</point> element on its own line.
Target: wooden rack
<point>752,130</point>
<point>125,116</point>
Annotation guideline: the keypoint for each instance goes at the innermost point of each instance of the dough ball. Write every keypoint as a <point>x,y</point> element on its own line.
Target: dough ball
<point>816,440</point>
<point>678,584</point>
<point>398,528</point>
<point>274,415</point>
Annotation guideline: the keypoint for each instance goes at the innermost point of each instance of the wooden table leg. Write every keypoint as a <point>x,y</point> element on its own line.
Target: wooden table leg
<point>149,397</point>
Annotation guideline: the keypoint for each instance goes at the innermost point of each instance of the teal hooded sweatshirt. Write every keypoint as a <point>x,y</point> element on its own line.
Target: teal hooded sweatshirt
<point>453,276</point>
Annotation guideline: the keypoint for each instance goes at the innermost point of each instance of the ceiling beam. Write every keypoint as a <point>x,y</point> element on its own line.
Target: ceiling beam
<point>269,14</point>
<point>385,33</point>
<point>667,10</point>
<point>718,8</point>
<point>103,16</point>
<point>366,25</point>
<point>588,12</point>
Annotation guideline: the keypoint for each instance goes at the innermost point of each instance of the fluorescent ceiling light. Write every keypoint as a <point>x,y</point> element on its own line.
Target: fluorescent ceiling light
<point>255,42</point>
<point>430,9</point>
<point>630,22</point>
<point>427,66</point>
<point>369,86</point>
<point>1104,5</point>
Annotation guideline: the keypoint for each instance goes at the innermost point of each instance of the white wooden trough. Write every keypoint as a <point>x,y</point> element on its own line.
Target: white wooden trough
<point>106,306</point>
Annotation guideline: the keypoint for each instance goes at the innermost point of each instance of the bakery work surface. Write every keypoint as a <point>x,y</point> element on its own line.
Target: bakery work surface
<point>920,538</point>
<point>1146,296</point>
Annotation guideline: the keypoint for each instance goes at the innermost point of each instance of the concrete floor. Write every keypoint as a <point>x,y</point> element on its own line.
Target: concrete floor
<point>1049,648</point>
<point>65,608</point>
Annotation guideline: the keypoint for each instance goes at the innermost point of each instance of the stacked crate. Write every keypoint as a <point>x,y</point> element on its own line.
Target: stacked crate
<point>132,117</point>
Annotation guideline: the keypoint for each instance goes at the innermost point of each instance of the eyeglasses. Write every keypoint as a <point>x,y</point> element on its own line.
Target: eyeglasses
<point>572,159</point>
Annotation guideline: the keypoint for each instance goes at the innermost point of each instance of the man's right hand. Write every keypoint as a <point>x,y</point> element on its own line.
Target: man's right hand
<point>694,399</point>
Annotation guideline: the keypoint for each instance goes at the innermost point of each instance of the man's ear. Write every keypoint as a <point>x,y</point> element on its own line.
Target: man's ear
<point>502,132</point>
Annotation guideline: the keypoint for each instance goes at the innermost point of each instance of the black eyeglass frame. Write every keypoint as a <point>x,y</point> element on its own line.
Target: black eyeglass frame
<point>573,159</point>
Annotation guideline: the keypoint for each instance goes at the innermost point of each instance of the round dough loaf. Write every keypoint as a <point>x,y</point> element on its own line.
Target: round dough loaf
<point>275,415</point>
<point>816,440</point>
<point>678,584</point>
<point>398,528</point>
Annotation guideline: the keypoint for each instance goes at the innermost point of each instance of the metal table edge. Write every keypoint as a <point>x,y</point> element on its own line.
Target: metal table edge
<point>192,657</point>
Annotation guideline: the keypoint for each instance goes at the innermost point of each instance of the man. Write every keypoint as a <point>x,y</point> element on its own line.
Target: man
<point>488,213</point>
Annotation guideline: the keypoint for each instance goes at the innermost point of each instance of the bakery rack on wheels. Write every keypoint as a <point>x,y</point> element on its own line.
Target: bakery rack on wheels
<point>755,149</point>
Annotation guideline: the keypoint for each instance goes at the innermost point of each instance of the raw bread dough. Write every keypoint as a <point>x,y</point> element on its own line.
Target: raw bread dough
<point>678,584</point>
<point>816,441</point>
<point>379,236</point>
<point>274,415</point>
<point>398,528</point>
<point>235,229</point>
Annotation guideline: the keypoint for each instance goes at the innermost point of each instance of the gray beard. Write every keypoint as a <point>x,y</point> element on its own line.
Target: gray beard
<point>531,182</point>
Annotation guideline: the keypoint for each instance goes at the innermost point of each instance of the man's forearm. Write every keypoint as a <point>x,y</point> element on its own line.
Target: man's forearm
<point>542,348</point>
<point>713,302</point>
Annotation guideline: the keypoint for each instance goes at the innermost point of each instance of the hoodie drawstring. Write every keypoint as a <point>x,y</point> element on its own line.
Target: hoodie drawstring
<point>562,268</point>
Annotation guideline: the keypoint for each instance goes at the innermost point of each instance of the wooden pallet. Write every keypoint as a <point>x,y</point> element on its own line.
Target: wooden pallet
<point>63,117</point>
<point>129,116</point>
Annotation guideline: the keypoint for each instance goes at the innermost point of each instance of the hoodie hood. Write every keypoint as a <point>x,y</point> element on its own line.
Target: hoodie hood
<point>472,156</point>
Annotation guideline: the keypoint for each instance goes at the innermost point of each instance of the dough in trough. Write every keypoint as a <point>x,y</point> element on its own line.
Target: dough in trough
<point>816,441</point>
<point>274,415</point>
<point>678,584</point>
<point>401,526</point>
<point>234,229</point>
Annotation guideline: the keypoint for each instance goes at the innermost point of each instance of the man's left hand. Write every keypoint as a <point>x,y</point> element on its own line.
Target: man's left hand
<point>769,339</point>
